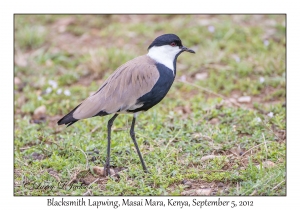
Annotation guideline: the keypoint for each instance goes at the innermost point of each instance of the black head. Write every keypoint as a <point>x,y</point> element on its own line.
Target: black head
<point>169,39</point>
<point>166,39</point>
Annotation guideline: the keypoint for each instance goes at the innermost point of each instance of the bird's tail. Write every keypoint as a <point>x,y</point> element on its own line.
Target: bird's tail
<point>68,119</point>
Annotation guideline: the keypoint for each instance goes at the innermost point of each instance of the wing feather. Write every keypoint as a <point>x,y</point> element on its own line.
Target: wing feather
<point>122,89</point>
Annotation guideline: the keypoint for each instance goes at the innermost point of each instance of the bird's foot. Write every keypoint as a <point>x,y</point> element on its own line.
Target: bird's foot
<point>107,170</point>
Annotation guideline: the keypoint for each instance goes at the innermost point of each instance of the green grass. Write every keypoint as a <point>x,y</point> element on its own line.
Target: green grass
<point>79,52</point>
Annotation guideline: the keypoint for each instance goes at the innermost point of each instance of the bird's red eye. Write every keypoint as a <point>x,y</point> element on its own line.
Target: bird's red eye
<point>173,44</point>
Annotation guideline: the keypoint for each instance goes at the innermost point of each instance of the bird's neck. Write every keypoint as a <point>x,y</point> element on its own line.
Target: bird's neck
<point>164,57</point>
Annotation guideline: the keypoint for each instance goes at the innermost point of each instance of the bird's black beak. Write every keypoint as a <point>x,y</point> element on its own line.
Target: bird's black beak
<point>183,48</point>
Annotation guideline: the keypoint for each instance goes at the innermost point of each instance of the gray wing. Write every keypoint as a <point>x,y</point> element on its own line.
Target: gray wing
<point>122,89</point>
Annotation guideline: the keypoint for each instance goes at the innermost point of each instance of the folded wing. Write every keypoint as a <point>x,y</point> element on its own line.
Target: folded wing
<point>121,90</point>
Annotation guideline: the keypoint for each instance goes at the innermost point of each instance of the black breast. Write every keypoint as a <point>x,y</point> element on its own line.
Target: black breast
<point>159,90</point>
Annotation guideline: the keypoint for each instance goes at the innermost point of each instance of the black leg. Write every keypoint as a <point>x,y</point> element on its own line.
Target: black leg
<point>132,134</point>
<point>107,165</point>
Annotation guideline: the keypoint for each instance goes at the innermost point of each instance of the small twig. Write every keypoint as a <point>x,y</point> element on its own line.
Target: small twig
<point>168,154</point>
<point>230,155</point>
<point>74,178</point>
<point>209,171</point>
<point>254,147</point>
<point>253,193</point>
<point>55,144</point>
<point>96,128</point>
<point>21,162</point>
<point>44,149</point>
<point>68,172</point>
<point>96,180</point>
<point>206,137</point>
<point>243,164</point>
<point>233,153</point>
<point>87,161</point>
<point>212,170</point>
<point>265,145</point>
<point>88,192</point>
<point>200,135</point>
<point>55,176</point>
<point>140,134</point>
<point>211,92</point>
<point>171,140</point>
<point>24,148</point>
<point>270,129</point>
<point>278,185</point>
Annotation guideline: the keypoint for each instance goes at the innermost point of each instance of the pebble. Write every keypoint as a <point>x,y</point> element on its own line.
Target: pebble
<point>244,99</point>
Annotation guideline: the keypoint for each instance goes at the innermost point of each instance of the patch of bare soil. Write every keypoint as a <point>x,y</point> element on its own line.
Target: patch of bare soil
<point>70,42</point>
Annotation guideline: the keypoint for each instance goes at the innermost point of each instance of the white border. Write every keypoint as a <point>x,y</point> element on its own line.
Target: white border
<point>112,6</point>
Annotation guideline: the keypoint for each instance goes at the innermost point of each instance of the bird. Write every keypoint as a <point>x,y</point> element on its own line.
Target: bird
<point>134,87</point>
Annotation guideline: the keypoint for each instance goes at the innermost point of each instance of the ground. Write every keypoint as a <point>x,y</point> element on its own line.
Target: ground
<point>221,130</point>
